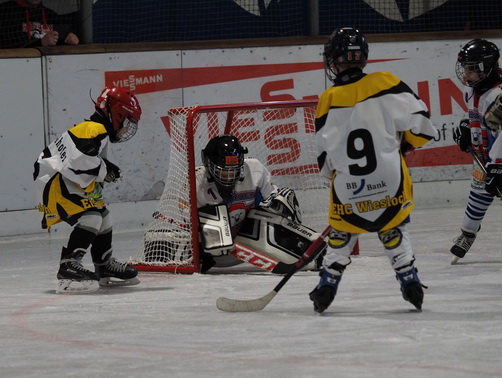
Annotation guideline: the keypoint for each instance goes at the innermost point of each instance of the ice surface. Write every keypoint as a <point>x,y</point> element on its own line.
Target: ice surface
<point>168,325</point>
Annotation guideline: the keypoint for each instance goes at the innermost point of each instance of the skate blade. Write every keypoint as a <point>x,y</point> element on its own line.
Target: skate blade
<point>110,282</point>
<point>66,286</point>
<point>454,260</point>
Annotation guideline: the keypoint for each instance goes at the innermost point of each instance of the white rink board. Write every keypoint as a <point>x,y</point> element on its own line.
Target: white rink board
<point>210,76</point>
<point>144,159</point>
<point>22,130</point>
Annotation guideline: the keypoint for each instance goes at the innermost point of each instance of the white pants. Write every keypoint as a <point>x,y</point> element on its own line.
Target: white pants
<point>396,245</point>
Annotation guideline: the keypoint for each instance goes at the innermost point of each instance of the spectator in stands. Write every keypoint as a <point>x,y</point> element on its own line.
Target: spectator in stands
<point>28,23</point>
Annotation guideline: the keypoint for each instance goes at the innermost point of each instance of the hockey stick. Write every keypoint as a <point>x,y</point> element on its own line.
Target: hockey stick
<point>481,166</point>
<point>250,305</point>
<point>477,159</point>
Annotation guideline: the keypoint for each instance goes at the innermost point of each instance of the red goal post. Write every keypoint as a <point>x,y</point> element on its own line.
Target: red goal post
<point>280,134</point>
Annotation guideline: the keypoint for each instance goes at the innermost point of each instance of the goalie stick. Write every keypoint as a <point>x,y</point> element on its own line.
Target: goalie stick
<point>250,305</point>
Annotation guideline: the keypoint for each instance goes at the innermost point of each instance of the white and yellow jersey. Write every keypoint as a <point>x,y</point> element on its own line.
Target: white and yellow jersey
<point>254,186</point>
<point>68,170</point>
<point>359,130</point>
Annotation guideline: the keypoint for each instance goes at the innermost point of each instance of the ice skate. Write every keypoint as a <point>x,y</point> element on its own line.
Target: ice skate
<point>462,245</point>
<point>324,293</point>
<point>411,287</point>
<point>114,273</point>
<point>73,278</point>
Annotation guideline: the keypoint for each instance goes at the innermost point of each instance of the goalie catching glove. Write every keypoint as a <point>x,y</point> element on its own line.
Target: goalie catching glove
<point>493,183</point>
<point>493,116</point>
<point>283,203</point>
<point>462,135</point>
<point>112,171</point>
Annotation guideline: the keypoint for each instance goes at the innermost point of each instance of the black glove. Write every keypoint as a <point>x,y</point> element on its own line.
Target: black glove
<point>406,148</point>
<point>462,135</point>
<point>112,171</point>
<point>493,183</point>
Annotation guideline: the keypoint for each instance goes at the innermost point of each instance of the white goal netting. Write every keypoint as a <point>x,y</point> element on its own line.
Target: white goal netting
<point>279,134</point>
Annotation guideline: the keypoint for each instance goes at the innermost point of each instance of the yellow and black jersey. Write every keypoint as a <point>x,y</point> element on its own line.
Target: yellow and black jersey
<point>68,170</point>
<point>359,130</point>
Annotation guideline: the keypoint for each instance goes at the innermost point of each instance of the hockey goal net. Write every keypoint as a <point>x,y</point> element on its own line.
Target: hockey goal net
<point>280,134</point>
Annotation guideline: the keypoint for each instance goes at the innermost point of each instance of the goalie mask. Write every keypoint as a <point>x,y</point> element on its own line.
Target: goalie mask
<point>345,46</point>
<point>122,111</point>
<point>224,159</point>
<point>477,61</point>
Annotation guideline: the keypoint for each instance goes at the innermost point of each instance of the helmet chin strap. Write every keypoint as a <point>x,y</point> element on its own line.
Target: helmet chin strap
<point>100,117</point>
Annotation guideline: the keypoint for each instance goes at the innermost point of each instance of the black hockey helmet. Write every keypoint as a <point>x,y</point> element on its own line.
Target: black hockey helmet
<point>224,159</point>
<point>477,56</point>
<point>345,46</point>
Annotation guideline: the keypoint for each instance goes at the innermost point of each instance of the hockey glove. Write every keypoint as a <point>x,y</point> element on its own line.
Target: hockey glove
<point>462,135</point>
<point>112,171</point>
<point>493,116</point>
<point>493,183</point>
<point>406,148</point>
<point>283,203</point>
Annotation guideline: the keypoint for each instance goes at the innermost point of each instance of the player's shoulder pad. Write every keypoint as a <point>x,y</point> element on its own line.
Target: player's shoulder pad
<point>89,130</point>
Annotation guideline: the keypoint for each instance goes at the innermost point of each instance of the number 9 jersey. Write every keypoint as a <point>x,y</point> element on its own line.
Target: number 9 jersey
<point>360,127</point>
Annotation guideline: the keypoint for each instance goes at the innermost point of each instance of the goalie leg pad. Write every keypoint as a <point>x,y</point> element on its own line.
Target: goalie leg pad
<point>276,237</point>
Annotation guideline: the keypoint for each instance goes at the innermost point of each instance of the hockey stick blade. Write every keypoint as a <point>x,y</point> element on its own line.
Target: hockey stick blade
<point>237,305</point>
<point>251,305</point>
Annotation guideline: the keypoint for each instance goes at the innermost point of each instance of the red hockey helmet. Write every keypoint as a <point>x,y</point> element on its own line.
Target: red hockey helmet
<point>122,109</point>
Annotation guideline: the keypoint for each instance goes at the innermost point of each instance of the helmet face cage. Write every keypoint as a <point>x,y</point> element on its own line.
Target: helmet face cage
<point>224,159</point>
<point>225,176</point>
<point>127,131</point>
<point>477,61</point>
<point>345,46</point>
<point>122,109</point>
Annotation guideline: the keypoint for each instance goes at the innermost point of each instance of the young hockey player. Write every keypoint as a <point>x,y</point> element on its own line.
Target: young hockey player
<point>477,68</point>
<point>365,123</point>
<point>240,189</point>
<point>69,176</point>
